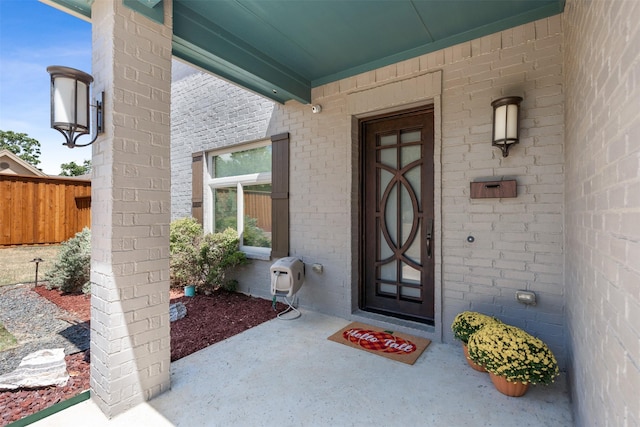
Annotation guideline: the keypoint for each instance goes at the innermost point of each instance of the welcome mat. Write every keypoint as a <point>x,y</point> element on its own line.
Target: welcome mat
<point>393,345</point>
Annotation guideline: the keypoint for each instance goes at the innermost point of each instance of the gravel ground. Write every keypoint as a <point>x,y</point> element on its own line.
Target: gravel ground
<point>44,319</point>
<point>37,324</point>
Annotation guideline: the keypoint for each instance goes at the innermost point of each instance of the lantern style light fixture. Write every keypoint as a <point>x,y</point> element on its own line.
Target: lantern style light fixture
<point>506,116</point>
<point>70,107</point>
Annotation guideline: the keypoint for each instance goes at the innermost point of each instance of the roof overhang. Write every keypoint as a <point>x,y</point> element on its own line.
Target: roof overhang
<point>283,48</point>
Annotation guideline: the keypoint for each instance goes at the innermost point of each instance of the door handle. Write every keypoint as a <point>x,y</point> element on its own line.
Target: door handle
<point>429,237</point>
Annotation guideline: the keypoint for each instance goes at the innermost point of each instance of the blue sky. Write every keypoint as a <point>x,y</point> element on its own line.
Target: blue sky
<point>33,36</point>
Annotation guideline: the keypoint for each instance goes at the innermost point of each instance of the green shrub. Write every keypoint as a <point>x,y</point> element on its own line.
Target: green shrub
<point>254,235</point>
<point>220,252</point>
<point>185,236</point>
<point>71,269</point>
<point>182,233</point>
<point>202,259</point>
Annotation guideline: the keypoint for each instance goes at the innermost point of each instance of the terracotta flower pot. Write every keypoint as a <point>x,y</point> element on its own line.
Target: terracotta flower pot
<point>471,363</point>
<point>507,388</point>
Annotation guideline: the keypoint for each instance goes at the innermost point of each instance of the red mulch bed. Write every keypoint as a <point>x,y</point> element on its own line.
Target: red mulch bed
<point>15,405</point>
<point>209,319</point>
<point>78,304</point>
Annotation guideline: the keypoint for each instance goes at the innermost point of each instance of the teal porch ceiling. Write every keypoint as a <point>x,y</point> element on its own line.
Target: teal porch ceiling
<point>284,48</point>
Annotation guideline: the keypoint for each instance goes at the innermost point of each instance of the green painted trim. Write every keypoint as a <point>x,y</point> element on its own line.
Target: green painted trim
<point>207,61</point>
<point>240,62</point>
<point>494,27</point>
<point>150,3</point>
<point>152,9</point>
<point>234,59</point>
<point>30,419</point>
<point>81,7</point>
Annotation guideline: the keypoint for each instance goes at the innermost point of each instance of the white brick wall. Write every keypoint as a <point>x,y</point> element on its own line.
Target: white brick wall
<point>208,113</point>
<point>519,242</point>
<point>130,342</point>
<point>602,60</point>
<point>516,240</point>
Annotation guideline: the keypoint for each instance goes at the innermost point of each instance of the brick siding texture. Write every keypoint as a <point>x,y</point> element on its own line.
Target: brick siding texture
<point>602,58</point>
<point>519,242</point>
<point>208,113</point>
<point>130,336</point>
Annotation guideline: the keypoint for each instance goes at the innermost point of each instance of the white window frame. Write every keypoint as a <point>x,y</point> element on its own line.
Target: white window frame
<point>239,181</point>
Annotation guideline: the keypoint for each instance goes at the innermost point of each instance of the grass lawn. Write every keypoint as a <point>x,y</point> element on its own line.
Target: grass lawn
<point>16,265</point>
<point>6,339</point>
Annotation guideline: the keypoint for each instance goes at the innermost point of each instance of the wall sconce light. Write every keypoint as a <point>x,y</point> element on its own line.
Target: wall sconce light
<point>70,108</point>
<point>506,114</point>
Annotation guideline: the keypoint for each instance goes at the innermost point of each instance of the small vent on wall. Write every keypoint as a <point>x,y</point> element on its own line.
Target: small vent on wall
<point>4,165</point>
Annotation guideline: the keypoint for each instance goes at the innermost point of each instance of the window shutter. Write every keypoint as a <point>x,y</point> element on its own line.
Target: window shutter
<point>280,195</point>
<point>196,185</point>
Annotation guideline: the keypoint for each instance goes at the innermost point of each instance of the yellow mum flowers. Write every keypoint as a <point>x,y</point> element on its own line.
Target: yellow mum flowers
<point>512,353</point>
<point>469,322</point>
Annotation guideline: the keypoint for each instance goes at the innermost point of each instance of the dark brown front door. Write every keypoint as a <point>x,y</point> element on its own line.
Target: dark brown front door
<point>398,218</point>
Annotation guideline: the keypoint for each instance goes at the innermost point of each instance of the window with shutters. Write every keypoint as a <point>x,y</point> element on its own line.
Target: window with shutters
<point>280,195</point>
<point>236,176</point>
<point>240,185</point>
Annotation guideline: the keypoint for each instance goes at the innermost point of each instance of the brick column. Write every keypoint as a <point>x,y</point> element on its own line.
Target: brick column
<point>130,342</point>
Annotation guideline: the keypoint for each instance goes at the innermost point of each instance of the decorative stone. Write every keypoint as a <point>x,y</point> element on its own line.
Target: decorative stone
<point>177,311</point>
<point>42,368</point>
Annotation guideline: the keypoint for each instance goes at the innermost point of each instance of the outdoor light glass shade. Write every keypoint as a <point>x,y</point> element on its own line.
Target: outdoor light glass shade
<point>70,108</point>
<point>506,116</point>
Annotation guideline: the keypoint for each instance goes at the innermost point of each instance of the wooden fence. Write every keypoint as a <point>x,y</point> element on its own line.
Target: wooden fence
<point>258,205</point>
<point>42,210</point>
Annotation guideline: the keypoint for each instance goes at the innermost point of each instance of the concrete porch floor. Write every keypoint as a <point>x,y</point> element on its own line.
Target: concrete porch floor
<point>286,373</point>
